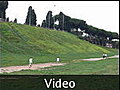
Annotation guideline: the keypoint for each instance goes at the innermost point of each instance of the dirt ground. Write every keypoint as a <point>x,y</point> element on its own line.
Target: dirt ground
<point>26,67</point>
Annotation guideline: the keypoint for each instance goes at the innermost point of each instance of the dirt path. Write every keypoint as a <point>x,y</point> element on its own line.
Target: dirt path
<point>26,67</point>
<point>96,59</point>
<point>38,66</point>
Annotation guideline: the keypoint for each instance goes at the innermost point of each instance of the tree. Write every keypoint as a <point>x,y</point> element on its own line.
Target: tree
<point>15,21</point>
<point>3,7</point>
<point>7,20</point>
<point>77,23</point>
<point>61,21</point>
<point>56,26</point>
<point>44,24</point>
<point>49,20</point>
<point>94,35</point>
<point>31,17</point>
<point>66,23</point>
<point>115,35</point>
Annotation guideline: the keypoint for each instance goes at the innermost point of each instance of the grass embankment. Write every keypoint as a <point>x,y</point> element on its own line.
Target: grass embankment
<point>19,42</point>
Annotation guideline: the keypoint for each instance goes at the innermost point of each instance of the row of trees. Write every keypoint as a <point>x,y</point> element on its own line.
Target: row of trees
<point>72,25</point>
<point>68,24</point>
<point>3,7</point>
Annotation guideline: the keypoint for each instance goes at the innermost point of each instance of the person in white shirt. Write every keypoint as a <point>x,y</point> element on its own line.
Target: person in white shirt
<point>58,59</point>
<point>106,56</point>
<point>103,56</point>
<point>30,62</point>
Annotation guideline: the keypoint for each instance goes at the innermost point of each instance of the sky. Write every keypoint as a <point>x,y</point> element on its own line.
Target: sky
<point>100,14</point>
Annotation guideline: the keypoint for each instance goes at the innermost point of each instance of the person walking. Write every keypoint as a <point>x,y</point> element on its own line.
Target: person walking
<point>58,59</point>
<point>30,62</point>
<point>103,56</point>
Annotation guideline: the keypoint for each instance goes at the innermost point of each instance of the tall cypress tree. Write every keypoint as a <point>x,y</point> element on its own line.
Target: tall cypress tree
<point>49,20</point>
<point>64,22</point>
<point>44,24</point>
<point>7,19</point>
<point>3,7</point>
<point>15,21</point>
<point>31,17</point>
<point>61,21</point>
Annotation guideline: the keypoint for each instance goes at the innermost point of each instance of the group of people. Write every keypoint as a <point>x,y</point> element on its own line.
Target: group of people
<point>31,61</point>
<point>57,60</point>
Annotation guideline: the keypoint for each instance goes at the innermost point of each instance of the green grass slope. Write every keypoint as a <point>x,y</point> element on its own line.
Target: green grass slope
<point>19,42</point>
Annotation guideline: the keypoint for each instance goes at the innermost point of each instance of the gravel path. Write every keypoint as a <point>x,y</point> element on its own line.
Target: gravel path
<point>26,67</point>
<point>96,59</point>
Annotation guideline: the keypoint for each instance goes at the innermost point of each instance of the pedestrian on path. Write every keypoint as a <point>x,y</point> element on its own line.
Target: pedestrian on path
<point>30,62</point>
<point>104,56</point>
<point>58,59</point>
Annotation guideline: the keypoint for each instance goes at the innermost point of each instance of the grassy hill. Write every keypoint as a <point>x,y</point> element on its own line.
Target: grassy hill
<point>19,42</point>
